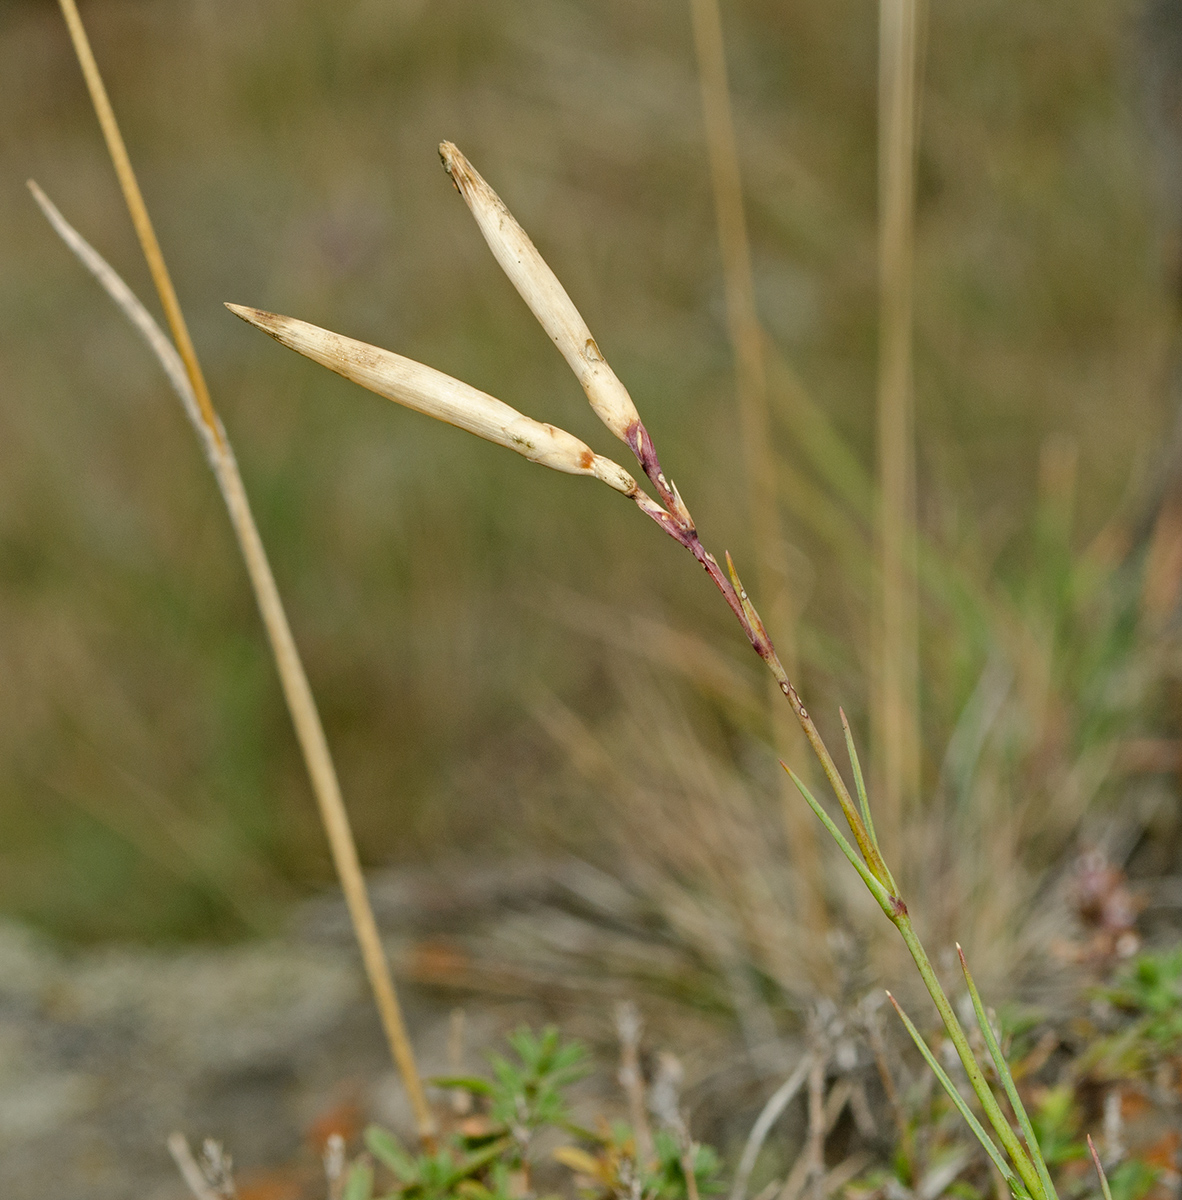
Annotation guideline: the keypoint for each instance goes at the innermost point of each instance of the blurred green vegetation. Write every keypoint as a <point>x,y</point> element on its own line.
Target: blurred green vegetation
<point>150,786</point>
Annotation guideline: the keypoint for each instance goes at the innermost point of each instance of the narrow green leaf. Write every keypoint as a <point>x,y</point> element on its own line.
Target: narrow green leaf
<point>385,1147</point>
<point>359,1184</point>
<point>860,784</point>
<point>976,1077</point>
<point>990,1147</point>
<point>1007,1079</point>
<point>470,1083</point>
<point>877,890</point>
<point>479,1158</point>
<point>1100,1170</point>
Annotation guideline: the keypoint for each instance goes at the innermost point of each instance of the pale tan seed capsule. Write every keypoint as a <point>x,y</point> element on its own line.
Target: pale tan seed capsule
<point>437,395</point>
<point>546,297</point>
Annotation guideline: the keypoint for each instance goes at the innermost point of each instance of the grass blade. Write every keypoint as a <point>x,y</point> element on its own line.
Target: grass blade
<point>884,898</point>
<point>1099,1169</point>
<point>294,681</point>
<point>990,1147</point>
<point>860,784</point>
<point>897,707</point>
<point>1007,1079</point>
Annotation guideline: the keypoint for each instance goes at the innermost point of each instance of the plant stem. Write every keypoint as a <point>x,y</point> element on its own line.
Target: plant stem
<point>1013,1147</point>
<point>895,711</point>
<point>296,689</point>
<point>139,212</point>
<point>751,386</point>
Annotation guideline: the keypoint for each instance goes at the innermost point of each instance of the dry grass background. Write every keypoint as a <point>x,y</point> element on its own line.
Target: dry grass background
<point>149,784</point>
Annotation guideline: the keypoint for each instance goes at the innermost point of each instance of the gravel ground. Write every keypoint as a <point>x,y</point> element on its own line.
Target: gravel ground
<point>104,1052</point>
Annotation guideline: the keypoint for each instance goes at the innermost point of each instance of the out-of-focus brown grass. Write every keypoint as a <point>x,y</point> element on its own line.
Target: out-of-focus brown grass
<point>293,164</point>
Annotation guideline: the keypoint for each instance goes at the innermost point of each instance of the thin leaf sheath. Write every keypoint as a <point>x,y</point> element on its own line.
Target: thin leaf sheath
<point>546,297</point>
<point>435,394</point>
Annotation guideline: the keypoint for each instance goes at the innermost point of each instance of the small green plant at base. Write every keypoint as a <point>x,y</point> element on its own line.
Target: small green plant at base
<point>612,1168</point>
<point>491,1159</point>
<point>1148,992</point>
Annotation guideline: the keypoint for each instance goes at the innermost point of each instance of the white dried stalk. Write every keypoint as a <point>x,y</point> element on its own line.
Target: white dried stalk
<point>191,1173</point>
<point>438,395</point>
<point>777,1102</point>
<point>546,297</point>
<point>294,681</point>
<point>136,313</point>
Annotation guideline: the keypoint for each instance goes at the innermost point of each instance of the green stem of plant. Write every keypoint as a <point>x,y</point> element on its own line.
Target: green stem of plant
<point>1013,1147</point>
<point>1006,1077</point>
<point>866,844</point>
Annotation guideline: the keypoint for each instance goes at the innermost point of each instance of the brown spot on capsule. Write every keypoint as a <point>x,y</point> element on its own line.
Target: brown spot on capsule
<point>586,458</point>
<point>591,351</point>
<point>358,354</point>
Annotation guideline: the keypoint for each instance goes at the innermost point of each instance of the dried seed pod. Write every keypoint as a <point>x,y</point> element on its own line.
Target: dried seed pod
<point>546,297</point>
<point>437,395</point>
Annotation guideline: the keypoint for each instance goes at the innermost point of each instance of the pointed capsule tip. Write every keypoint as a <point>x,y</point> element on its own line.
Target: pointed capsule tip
<point>457,166</point>
<point>255,316</point>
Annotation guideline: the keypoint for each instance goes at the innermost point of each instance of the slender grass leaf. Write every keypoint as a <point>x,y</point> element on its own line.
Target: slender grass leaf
<point>990,1147</point>
<point>877,890</point>
<point>1007,1078</point>
<point>385,1147</point>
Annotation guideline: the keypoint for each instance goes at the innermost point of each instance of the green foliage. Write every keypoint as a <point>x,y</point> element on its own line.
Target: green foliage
<point>435,1175</point>
<point>666,1181</point>
<point>1151,985</point>
<point>613,1167</point>
<point>359,1182</point>
<point>1132,1180</point>
<point>1149,991</point>
<point>528,1094</point>
<point>1056,1123</point>
<point>489,1158</point>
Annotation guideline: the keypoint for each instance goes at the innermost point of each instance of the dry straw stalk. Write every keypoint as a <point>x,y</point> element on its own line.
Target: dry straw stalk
<point>184,372</point>
<point>896,710</point>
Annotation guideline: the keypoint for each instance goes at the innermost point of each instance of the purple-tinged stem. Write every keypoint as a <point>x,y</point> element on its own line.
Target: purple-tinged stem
<point>674,518</point>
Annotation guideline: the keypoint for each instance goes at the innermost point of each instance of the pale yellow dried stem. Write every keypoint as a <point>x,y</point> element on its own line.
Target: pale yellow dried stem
<point>747,343</point>
<point>333,814</point>
<point>896,709</point>
<point>139,213</point>
<point>296,690</point>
